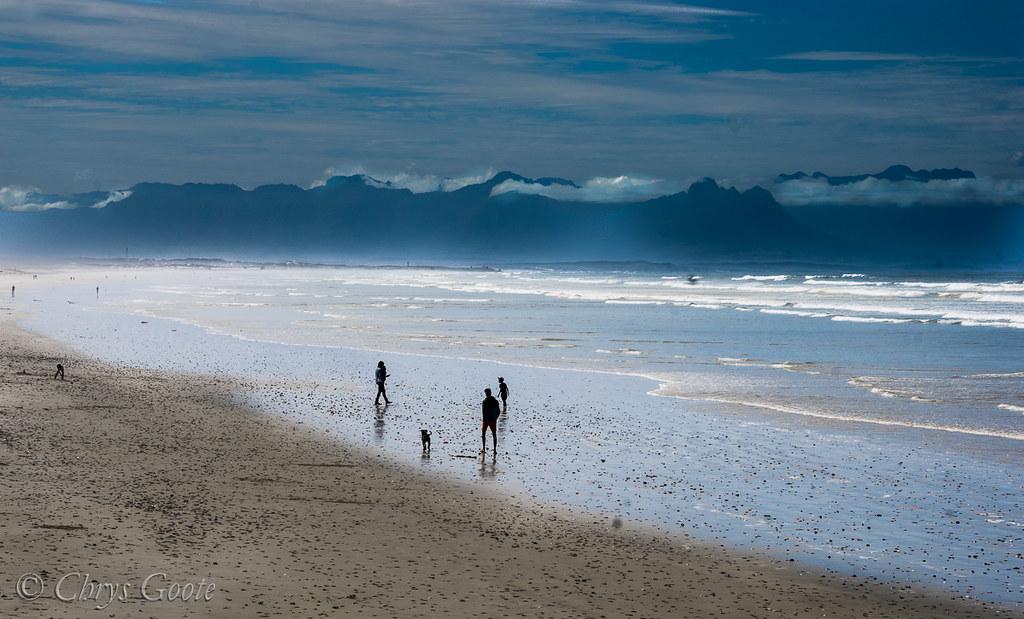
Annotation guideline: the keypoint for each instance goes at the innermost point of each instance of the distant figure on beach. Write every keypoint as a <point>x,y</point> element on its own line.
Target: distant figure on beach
<point>503,392</point>
<point>382,377</point>
<point>12,292</point>
<point>491,410</point>
<point>59,372</point>
<point>97,292</point>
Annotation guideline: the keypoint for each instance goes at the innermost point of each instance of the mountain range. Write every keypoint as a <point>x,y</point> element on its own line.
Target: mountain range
<point>360,217</point>
<point>896,173</point>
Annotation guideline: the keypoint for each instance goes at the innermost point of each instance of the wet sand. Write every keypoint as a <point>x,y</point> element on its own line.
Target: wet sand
<point>120,473</point>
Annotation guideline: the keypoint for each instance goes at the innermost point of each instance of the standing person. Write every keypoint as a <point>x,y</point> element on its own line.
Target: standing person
<point>503,392</point>
<point>59,372</point>
<point>491,411</point>
<point>382,377</point>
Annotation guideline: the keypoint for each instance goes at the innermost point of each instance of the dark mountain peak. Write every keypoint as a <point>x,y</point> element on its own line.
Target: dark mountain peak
<point>706,182</point>
<point>906,173</point>
<point>213,187</point>
<point>503,176</point>
<point>759,194</point>
<point>547,181</point>
<point>704,188</point>
<point>894,173</point>
<point>488,185</point>
<point>278,188</point>
<point>349,181</point>
<point>140,190</point>
<point>946,174</point>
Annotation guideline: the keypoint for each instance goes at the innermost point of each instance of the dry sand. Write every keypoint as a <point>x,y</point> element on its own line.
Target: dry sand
<point>121,473</point>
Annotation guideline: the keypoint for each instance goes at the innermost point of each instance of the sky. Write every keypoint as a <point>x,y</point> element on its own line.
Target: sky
<point>102,94</point>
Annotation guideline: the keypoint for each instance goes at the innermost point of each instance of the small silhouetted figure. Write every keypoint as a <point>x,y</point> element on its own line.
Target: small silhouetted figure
<point>97,292</point>
<point>491,410</point>
<point>503,391</point>
<point>12,292</point>
<point>425,439</point>
<point>59,373</point>
<point>382,377</point>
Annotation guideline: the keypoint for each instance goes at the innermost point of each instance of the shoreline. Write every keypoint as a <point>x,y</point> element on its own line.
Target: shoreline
<point>120,473</point>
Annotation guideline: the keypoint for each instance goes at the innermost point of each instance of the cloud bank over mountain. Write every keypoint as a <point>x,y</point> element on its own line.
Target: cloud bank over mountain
<point>416,183</point>
<point>900,216</point>
<point>599,189</point>
<point>28,199</point>
<point>876,191</point>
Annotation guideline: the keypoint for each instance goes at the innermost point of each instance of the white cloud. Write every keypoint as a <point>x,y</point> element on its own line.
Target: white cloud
<point>115,196</point>
<point>25,199</point>
<point>416,183</point>
<point>599,189</point>
<point>879,192</point>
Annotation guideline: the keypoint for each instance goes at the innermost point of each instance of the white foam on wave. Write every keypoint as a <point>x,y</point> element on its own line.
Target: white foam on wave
<point>1012,407</point>
<point>666,390</point>
<point>784,312</point>
<point>868,292</point>
<point>872,385</point>
<point>992,297</point>
<point>633,302</point>
<point>998,375</point>
<point>802,368</point>
<point>871,319</point>
<point>761,278</point>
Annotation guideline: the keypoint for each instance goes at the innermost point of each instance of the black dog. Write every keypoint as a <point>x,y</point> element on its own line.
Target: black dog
<point>425,437</point>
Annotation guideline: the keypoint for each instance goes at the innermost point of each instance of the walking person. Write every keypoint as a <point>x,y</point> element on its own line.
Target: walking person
<point>503,392</point>
<point>59,372</point>
<point>382,377</point>
<point>491,410</point>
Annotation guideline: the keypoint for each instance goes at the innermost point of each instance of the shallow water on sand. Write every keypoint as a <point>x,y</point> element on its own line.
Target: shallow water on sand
<point>887,445</point>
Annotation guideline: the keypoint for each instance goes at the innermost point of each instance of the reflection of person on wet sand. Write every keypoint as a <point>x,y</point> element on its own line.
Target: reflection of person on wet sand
<point>503,391</point>
<point>382,376</point>
<point>491,411</point>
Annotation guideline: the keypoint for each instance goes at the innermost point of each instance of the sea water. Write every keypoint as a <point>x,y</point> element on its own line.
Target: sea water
<point>868,422</point>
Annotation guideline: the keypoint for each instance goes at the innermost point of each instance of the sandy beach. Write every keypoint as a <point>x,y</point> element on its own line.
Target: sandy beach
<point>115,474</point>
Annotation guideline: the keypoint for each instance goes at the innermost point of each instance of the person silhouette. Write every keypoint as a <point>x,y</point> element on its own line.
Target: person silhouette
<point>491,410</point>
<point>12,292</point>
<point>59,372</point>
<point>382,377</point>
<point>503,392</point>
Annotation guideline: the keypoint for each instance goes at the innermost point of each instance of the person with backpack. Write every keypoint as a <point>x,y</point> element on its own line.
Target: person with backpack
<point>381,377</point>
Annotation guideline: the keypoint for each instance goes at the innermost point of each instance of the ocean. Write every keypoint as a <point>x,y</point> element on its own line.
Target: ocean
<point>867,422</point>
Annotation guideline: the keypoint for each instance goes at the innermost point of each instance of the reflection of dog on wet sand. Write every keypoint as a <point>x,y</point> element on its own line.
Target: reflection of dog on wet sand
<point>425,438</point>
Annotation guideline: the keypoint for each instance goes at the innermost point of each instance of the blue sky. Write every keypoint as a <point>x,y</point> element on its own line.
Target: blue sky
<point>103,94</point>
